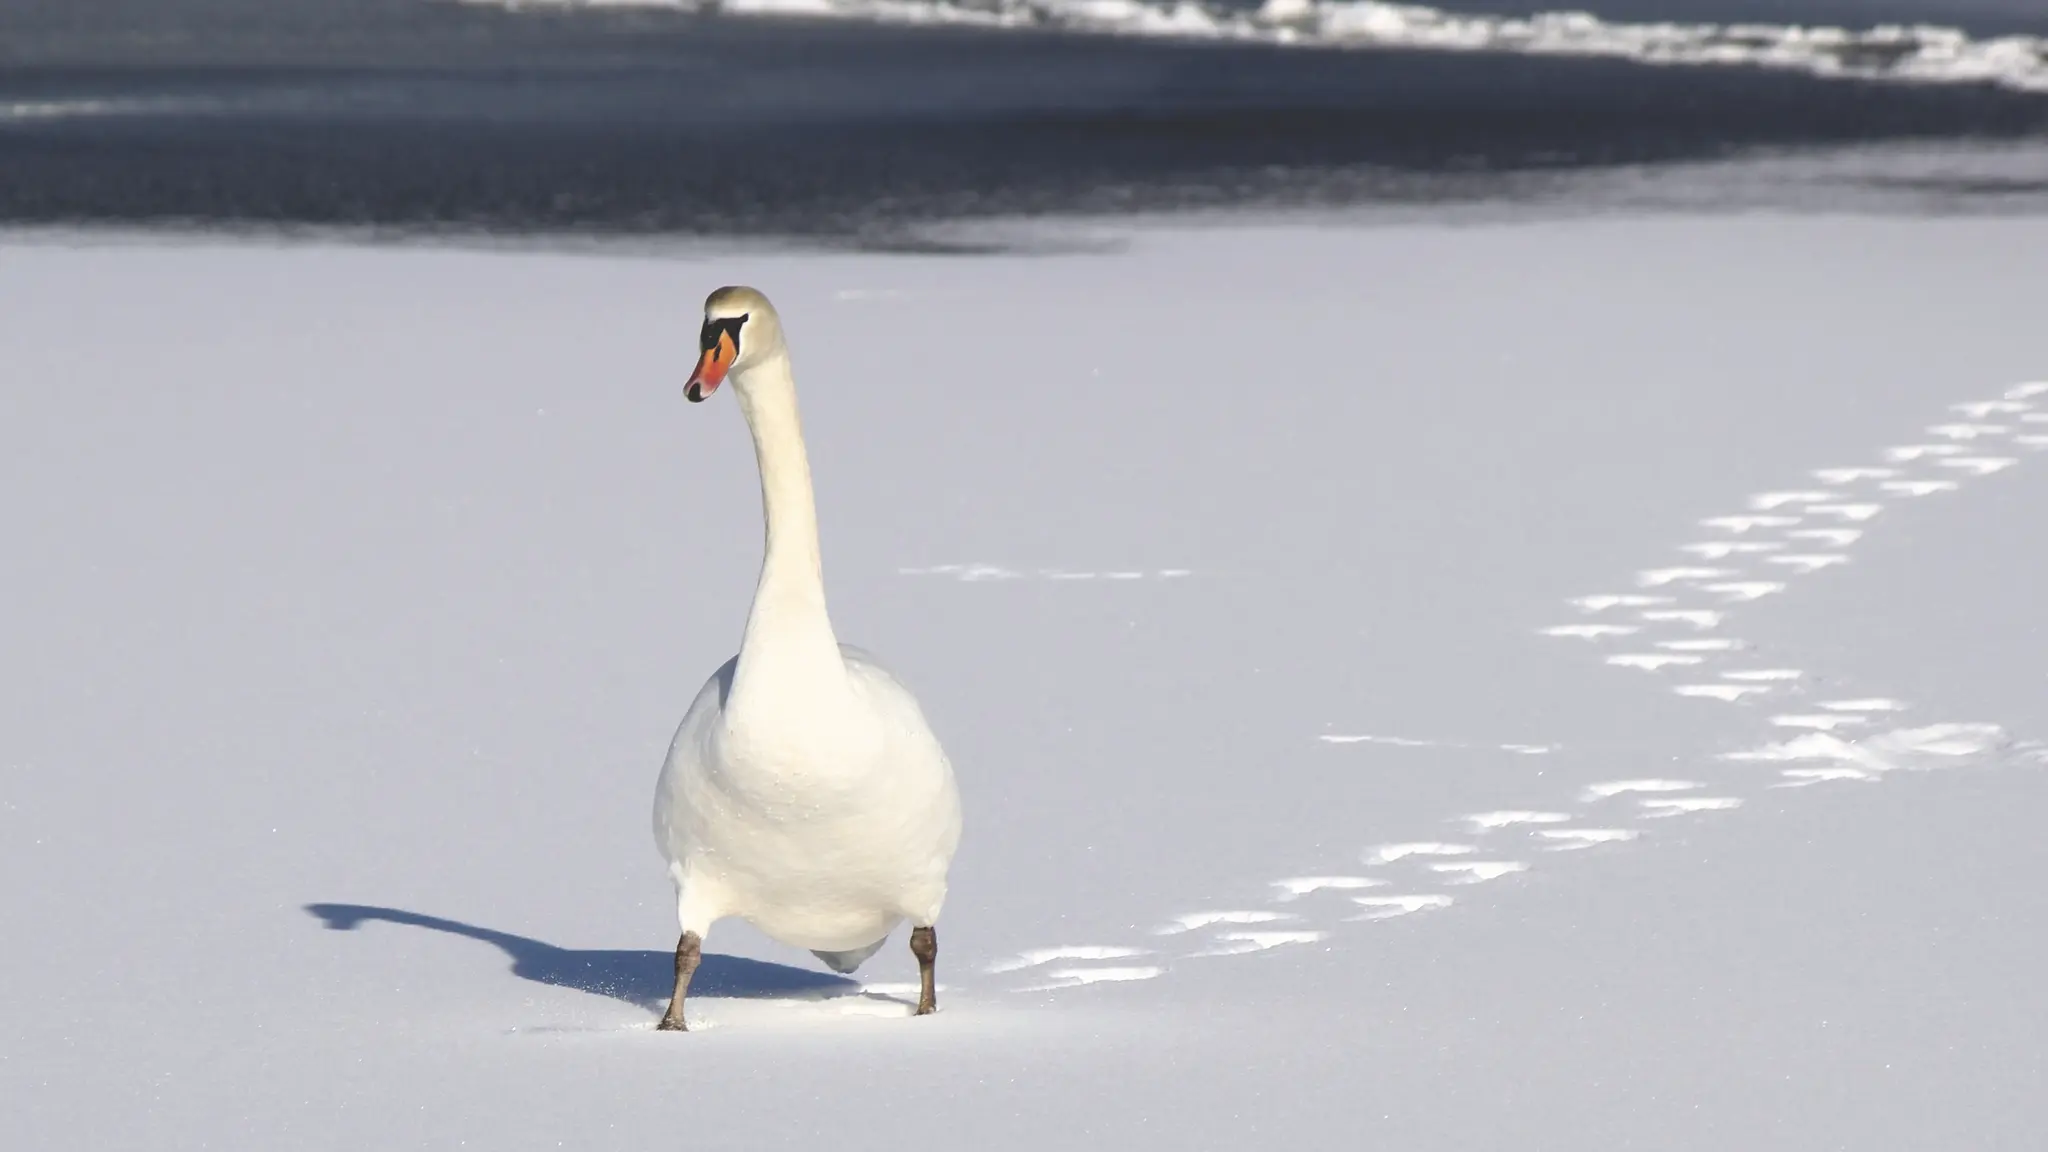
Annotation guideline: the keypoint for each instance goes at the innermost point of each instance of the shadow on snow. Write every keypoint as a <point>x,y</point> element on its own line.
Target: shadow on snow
<point>636,976</point>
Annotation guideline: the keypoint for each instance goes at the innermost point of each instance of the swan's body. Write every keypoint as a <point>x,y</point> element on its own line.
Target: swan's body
<point>804,791</point>
<point>824,835</point>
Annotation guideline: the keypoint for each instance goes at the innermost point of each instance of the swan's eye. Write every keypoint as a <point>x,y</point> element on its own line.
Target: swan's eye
<point>720,338</point>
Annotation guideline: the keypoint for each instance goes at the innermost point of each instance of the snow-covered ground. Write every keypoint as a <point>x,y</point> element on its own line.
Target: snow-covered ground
<point>1413,687</point>
<point>1887,52</point>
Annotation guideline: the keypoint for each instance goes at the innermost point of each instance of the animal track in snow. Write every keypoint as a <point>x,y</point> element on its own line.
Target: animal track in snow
<point>1873,704</point>
<point>1722,549</point>
<point>1388,907</point>
<point>1063,978</point>
<point>1617,600</point>
<point>1388,853</point>
<point>1037,956</point>
<point>971,573</point>
<point>1652,661</point>
<point>1409,742</point>
<point>977,573</point>
<point>1967,431</point>
<point>1590,631</point>
<point>1658,577</point>
<point>1478,871</point>
<point>1729,693</point>
<point>1905,749</point>
<point>1769,500</point>
<point>1979,409</point>
<point>1615,788</point>
<point>1683,805</point>
<point>1493,821</point>
<point>1743,524</point>
<point>1392,741</point>
<point>1920,487</point>
<point>1978,465</point>
<point>1743,591</point>
<point>1907,453</point>
<point>1239,943</point>
<point>1901,749</point>
<point>1826,723</point>
<point>1295,887</point>
<point>1194,920</point>
<point>1851,475</point>
<point>1702,619</point>
<point>1573,839</point>
<point>1716,644</point>
<point>1803,777</point>
<point>1854,513</point>
<point>1783,538</point>
<point>1807,562</point>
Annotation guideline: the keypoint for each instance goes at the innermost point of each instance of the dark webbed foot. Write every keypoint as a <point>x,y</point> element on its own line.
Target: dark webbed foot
<point>924,944</point>
<point>689,950</point>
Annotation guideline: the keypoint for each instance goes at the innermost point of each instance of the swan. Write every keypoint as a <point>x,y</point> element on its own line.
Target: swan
<point>804,791</point>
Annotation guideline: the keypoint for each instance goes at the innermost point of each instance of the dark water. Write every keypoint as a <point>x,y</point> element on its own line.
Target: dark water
<point>409,114</point>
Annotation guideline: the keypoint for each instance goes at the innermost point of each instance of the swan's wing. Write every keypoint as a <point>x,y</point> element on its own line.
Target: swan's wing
<point>911,749</point>
<point>686,761</point>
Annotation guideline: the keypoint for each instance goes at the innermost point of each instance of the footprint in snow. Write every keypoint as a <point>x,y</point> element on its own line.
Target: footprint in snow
<point>1794,533</point>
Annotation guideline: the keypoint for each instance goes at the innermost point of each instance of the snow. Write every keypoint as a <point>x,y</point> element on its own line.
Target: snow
<point>354,593</point>
<point>1896,53</point>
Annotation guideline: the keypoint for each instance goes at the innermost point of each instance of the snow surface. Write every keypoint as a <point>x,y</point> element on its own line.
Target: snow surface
<point>1897,53</point>
<point>353,595</point>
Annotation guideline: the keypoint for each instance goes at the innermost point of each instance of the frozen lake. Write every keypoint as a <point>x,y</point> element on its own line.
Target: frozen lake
<point>1548,684</point>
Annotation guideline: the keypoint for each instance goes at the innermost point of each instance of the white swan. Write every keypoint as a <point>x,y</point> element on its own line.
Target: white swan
<point>804,791</point>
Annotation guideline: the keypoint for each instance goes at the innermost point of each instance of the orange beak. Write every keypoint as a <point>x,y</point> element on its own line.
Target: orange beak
<point>711,369</point>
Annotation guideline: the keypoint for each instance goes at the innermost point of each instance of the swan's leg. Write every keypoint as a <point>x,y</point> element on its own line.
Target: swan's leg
<point>689,950</point>
<point>924,944</point>
<point>698,907</point>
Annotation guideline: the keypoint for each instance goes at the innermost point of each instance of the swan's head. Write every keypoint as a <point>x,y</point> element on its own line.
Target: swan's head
<point>740,330</point>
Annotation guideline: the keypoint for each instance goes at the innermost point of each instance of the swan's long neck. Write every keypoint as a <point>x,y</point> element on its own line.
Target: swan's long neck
<point>789,661</point>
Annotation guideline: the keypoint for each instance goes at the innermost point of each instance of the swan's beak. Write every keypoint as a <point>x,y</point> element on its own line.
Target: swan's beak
<point>711,368</point>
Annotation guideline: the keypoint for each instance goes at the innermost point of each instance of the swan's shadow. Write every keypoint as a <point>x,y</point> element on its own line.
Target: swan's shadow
<point>636,976</point>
